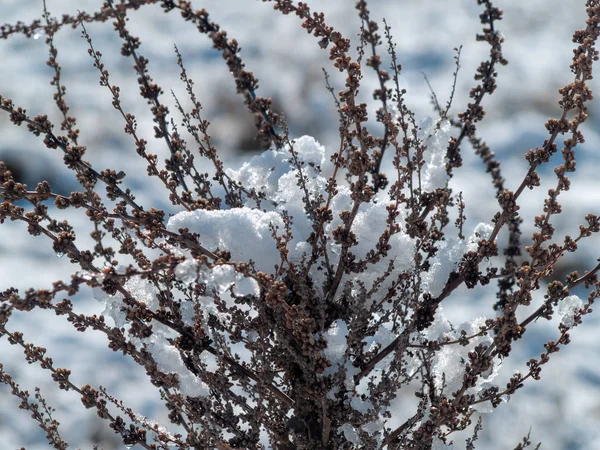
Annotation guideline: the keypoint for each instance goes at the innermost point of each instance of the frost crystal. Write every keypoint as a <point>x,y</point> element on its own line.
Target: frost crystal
<point>568,307</point>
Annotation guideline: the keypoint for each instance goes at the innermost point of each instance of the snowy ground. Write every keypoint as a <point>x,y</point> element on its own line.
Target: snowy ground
<point>562,409</point>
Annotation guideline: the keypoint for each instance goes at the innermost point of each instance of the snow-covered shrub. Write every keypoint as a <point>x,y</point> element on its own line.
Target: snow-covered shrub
<point>293,301</point>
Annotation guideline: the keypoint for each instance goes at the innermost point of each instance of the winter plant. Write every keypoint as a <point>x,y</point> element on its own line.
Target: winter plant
<point>288,303</point>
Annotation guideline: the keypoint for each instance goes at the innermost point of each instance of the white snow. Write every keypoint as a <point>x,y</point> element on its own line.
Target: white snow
<point>519,109</point>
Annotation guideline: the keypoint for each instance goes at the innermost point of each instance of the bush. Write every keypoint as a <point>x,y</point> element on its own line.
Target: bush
<point>290,303</point>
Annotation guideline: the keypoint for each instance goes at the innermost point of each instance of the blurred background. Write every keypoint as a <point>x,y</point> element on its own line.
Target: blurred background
<point>562,410</point>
